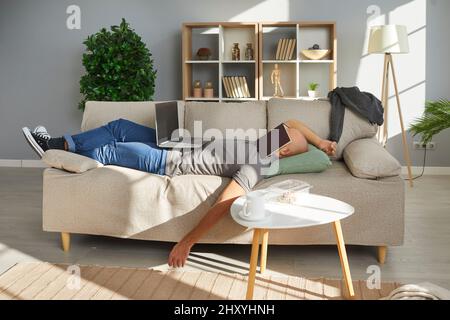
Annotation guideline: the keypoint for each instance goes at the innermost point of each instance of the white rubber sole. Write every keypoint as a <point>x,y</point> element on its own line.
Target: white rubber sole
<point>33,144</point>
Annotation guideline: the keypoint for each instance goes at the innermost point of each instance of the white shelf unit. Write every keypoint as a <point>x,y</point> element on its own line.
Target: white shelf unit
<point>297,73</point>
<point>219,38</point>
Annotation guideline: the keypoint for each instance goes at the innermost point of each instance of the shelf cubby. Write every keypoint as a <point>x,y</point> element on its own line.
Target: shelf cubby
<point>271,34</point>
<point>288,80</point>
<point>241,34</point>
<point>244,70</point>
<point>206,37</point>
<point>204,73</point>
<point>318,73</point>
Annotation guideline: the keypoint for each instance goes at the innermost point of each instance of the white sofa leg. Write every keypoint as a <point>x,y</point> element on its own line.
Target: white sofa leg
<point>65,241</point>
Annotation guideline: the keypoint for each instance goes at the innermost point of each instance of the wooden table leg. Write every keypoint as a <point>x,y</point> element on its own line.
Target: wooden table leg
<point>264,244</point>
<point>343,258</point>
<point>253,264</point>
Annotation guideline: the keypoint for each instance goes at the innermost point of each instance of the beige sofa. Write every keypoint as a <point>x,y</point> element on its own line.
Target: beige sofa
<point>82,196</point>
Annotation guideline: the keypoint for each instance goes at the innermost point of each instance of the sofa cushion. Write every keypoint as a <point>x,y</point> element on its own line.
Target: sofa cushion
<point>316,115</point>
<point>222,116</point>
<point>123,202</point>
<point>314,160</point>
<point>98,113</point>
<point>113,200</point>
<point>366,158</point>
<point>69,161</point>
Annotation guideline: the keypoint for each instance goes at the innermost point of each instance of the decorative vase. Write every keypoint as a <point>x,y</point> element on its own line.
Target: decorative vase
<point>197,89</point>
<point>208,92</point>
<point>235,52</point>
<point>312,94</point>
<point>249,52</point>
<point>203,54</point>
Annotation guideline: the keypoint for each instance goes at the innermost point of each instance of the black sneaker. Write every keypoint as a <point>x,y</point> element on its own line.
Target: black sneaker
<point>38,139</point>
<point>41,131</point>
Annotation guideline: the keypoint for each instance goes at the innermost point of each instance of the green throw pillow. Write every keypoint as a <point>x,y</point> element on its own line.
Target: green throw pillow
<point>314,160</point>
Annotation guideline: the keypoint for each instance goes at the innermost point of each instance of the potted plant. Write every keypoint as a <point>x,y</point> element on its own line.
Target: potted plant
<point>435,119</point>
<point>118,67</point>
<point>312,89</point>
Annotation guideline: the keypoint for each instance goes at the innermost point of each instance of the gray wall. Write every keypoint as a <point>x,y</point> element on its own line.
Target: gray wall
<point>40,59</point>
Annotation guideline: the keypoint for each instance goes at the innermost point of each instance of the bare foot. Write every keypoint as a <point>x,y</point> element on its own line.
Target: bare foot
<point>329,147</point>
<point>179,254</point>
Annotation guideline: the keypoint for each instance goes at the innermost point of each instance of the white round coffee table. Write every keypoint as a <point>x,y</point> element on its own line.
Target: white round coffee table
<point>309,210</point>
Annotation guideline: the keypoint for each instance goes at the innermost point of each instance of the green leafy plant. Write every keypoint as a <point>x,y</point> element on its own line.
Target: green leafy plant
<point>313,86</point>
<point>118,67</point>
<point>435,119</point>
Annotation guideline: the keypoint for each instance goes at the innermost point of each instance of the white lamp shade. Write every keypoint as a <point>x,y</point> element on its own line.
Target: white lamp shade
<point>388,39</point>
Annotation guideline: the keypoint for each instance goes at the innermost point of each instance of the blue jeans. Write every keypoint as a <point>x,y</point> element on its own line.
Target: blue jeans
<point>121,143</point>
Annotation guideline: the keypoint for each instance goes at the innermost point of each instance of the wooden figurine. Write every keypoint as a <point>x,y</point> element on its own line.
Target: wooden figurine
<point>275,78</point>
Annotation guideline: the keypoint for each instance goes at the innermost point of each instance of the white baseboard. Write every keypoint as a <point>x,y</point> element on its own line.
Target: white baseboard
<point>18,163</point>
<point>430,171</point>
<point>33,164</point>
<point>10,163</point>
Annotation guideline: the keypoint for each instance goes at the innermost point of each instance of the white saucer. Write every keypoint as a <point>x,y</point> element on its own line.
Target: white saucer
<point>252,220</point>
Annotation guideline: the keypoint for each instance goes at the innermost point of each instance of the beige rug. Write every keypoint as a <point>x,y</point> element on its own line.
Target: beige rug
<point>54,281</point>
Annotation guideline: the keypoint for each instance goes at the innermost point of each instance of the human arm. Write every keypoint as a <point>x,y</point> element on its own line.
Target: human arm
<point>180,251</point>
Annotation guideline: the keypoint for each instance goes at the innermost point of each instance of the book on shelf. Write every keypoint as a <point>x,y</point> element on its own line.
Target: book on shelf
<point>239,89</point>
<point>285,49</point>
<point>288,49</point>
<point>239,84</point>
<point>226,86</point>
<point>292,49</point>
<point>277,55</point>
<point>243,83</point>
<point>236,87</point>
<point>247,91</point>
<point>231,87</point>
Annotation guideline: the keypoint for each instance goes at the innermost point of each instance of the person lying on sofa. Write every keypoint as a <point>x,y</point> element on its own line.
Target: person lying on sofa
<point>128,144</point>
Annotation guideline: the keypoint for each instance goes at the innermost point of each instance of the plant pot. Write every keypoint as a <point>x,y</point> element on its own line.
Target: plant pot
<point>312,94</point>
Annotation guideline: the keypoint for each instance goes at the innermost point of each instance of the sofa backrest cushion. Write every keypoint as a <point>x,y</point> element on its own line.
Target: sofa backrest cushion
<point>98,113</point>
<point>222,116</point>
<point>316,115</point>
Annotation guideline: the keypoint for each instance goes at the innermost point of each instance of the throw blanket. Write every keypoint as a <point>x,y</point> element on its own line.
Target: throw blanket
<point>363,103</point>
<point>422,291</point>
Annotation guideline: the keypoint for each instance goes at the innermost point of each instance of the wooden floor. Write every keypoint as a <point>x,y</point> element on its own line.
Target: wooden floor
<point>425,256</point>
<point>44,281</point>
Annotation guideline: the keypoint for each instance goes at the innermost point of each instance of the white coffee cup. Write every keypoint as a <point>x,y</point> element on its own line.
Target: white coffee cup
<point>253,208</point>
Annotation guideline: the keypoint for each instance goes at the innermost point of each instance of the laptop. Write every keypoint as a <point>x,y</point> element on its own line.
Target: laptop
<point>168,128</point>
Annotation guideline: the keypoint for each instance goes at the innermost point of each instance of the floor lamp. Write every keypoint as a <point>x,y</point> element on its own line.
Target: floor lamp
<point>388,40</point>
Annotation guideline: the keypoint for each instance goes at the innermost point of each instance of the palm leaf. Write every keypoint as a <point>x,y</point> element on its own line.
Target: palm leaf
<point>435,119</point>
